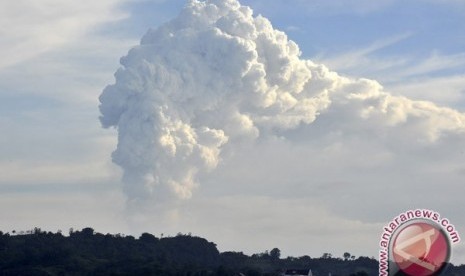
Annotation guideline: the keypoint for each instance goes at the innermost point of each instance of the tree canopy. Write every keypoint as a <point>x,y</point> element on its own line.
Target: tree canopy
<point>87,252</point>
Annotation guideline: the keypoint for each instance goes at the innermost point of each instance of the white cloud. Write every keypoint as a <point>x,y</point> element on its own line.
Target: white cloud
<point>49,126</point>
<point>62,211</point>
<point>358,7</point>
<point>217,75</point>
<point>363,7</point>
<point>73,75</point>
<point>255,223</point>
<point>436,62</point>
<point>46,144</point>
<point>17,173</point>
<point>29,28</point>
<point>363,61</point>
<point>435,78</point>
<point>218,97</point>
<point>345,6</point>
<point>368,155</point>
<point>452,90</point>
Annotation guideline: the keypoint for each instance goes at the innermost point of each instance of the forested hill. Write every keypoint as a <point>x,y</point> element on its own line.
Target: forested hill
<point>88,253</point>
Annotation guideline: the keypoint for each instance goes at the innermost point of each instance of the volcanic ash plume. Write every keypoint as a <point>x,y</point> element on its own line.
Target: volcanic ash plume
<point>217,76</point>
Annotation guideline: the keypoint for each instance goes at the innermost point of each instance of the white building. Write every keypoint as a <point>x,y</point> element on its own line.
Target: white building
<point>298,272</point>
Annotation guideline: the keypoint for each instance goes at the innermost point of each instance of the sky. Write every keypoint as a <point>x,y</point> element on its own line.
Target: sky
<point>325,185</point>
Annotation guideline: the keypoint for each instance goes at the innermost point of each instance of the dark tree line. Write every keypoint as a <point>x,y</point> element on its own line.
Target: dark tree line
<point>88,253</point>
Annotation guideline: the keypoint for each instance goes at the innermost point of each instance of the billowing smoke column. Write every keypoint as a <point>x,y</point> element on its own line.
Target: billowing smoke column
<point>217,76</point>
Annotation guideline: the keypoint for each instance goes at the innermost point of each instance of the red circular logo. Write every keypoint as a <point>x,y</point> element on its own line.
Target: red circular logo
<point>420,249</point>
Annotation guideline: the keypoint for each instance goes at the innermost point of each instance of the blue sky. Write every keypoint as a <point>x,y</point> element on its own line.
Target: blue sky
<point>55,159</point>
